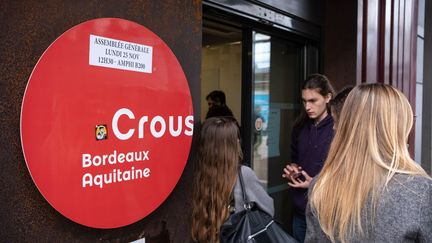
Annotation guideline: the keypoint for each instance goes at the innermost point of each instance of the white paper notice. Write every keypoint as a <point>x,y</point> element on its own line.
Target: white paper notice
<point>118,54</point>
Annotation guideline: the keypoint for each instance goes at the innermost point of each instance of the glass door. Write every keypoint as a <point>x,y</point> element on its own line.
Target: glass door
<point>276,77</point>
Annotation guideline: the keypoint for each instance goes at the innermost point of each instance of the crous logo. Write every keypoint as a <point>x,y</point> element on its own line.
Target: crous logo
<point>101,132</point>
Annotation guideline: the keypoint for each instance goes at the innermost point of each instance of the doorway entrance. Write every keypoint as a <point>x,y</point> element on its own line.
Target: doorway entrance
<point>260,69</point>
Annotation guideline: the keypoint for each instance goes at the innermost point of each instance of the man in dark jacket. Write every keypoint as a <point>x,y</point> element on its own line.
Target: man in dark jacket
<point>217,105</point>
<point>311,138</point>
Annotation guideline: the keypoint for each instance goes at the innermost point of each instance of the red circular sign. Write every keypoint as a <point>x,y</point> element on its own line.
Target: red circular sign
<point>106,123</point>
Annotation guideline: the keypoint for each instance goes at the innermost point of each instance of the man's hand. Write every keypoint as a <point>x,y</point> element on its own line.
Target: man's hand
<point>290,170</point>
<point>298,183</point>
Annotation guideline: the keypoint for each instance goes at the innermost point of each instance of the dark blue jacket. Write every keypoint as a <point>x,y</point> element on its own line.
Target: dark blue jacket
<point>309,149</point>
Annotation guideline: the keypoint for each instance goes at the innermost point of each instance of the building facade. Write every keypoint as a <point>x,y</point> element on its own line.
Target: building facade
<point>257,52</point>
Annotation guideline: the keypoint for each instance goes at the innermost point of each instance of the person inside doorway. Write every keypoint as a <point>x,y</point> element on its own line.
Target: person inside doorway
<point>219,111</point>
<point>216,101</point>
<point>311,137</point>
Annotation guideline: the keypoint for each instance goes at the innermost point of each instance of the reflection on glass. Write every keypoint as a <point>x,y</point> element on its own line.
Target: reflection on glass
<point>261,60</point>
<point>276,76</point>
<point>277,68</point>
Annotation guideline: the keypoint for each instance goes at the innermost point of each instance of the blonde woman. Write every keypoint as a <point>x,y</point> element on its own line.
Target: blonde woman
<point>370,190</point>
<point>219,158</point>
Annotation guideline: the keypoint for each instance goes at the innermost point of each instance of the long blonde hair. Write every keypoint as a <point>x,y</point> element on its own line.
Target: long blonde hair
<point>216,173</point>
<point>369,147</point>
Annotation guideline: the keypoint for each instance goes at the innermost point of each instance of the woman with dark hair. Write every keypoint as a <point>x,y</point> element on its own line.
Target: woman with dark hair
<point>219,158</point>
<point>311,138</point>
<point>337,103</point>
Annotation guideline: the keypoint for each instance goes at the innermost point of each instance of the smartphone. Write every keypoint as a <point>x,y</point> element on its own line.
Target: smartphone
<point>299,176</point>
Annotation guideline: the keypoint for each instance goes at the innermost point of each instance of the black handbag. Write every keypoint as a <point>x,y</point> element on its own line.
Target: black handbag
<point>252,225</point>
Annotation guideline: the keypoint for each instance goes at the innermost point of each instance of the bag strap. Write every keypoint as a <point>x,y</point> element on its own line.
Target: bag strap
<point>231,205</point>
<point>246,203</point>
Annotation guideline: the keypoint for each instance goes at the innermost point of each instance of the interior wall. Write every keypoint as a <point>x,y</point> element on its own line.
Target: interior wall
<point>221,70</point>
<point>27,29</point>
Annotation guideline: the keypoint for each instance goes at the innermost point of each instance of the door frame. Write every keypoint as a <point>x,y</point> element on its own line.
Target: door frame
<point>310,61</point>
